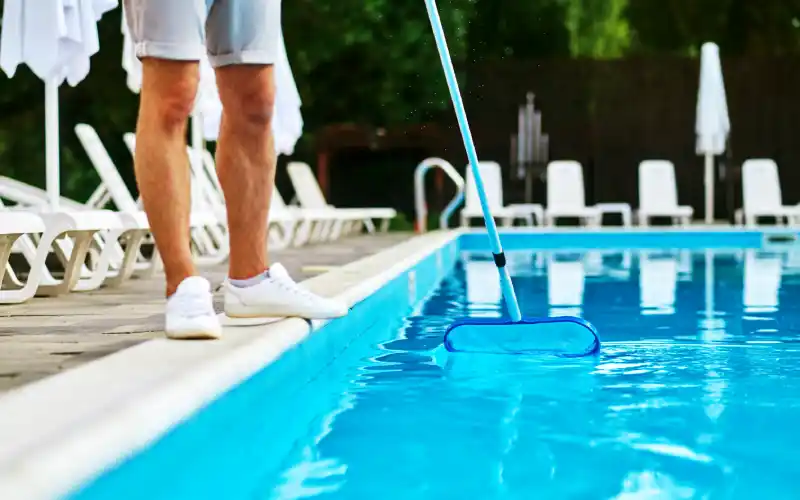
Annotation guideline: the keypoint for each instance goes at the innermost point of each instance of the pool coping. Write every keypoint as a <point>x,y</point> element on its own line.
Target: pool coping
<point>69,427</point>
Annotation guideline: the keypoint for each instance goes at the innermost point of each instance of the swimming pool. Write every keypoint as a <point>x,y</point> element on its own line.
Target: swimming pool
<point>693,396</point>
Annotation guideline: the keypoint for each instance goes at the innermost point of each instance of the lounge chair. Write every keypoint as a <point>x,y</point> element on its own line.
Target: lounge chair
<point>492,177</point>
<point>658,194</point>
<point>289,226</point>
<point>311,197</point>
<point>566,194</point>
<point>124,261</point>
<point>70,236</point>
<point>762,197</point>
<point>206,229</point>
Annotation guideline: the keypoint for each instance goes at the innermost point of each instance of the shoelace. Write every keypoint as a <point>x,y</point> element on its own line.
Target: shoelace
<point>292,287</point>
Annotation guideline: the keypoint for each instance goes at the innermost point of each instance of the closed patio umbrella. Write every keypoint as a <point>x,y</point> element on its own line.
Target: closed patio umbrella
<point>56,39</point>
<point>713,123</point>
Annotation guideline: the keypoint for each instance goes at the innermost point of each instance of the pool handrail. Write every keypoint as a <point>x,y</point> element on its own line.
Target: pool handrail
<point>421,206</point>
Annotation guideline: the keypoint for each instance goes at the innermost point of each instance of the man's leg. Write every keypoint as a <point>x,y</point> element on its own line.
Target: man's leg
<point>161,162</point>
<point>246,162</point>
<point>243,40</point>
<point>169,40</point>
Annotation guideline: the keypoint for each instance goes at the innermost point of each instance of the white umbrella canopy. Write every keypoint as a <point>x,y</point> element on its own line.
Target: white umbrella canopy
<point>287,123</point>
<point>713,123</point>
<point>55,39</point>
<point>288,120</point>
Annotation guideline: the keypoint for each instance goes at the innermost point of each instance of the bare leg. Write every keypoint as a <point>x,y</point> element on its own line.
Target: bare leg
<point>246,162</point>
<point>162,164</point>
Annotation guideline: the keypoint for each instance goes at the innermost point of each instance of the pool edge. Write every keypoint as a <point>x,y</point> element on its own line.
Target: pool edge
<point>69,427</point>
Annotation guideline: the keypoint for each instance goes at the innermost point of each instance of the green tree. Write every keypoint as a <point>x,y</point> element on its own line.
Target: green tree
<point>371,61</point>
<point>739,27</point>
<point>502,29</point>
<point>597,29</point>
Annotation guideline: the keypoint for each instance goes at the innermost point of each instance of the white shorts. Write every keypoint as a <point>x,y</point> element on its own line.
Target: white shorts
<point>230,31</point>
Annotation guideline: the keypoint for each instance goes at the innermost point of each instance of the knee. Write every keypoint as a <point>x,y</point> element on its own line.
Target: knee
<point>168,92</point>
<point>176,103</point>
<point>255,107</point>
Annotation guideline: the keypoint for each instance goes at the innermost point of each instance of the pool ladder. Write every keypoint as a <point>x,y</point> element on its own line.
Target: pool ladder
<point>421,206</point>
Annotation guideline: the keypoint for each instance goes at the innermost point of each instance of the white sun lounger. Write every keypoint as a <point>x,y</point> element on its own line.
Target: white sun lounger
<point>311,197</point>
<point>492,177</point>
<point>208,223</point>
<point>13,226</point>
<point>205,225</point>
<point>566,194</point>
<point>658,194</point>
<point>762,197</point>
<point>289,226</point>
<point>124,263</point>
<point>78,230</point>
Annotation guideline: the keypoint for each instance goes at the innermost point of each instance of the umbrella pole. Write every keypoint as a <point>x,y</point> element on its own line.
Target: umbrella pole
<point>709,183</point>
<point>197,131</point>
<point>52,147</point>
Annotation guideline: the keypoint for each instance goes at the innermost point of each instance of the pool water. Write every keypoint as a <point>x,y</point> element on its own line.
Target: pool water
<point>688,400</point>
<point>695,395</point>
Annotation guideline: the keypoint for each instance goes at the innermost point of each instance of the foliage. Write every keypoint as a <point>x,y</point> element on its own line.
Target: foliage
<point>374,62</point>
<point>597,30</point>
<point>737,26</point>
<point>503,29</point>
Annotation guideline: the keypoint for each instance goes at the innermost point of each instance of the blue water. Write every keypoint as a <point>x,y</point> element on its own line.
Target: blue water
<point>696,394</point>
<point>690,399</point>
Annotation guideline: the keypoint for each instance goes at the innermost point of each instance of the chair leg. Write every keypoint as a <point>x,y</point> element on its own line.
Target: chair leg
<point>72,267</point>
<point>134,239</point>
<point>369,225</point>
<point>101,271</point>
<point>38,268</point>
<point>6,245</point>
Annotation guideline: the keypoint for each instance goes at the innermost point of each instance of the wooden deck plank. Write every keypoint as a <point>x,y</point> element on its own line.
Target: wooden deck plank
<point>47,335</point>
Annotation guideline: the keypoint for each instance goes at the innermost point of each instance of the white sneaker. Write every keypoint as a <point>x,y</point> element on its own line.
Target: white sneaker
<point>190,311</point>
<point>279,296</point>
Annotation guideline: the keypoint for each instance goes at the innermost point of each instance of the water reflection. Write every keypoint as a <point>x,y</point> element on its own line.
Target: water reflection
<point>696,350</point>
<point>566,276</point>
<point>658,281</point>
<point>762,280</point>
<point>610,265</point>
<point>484,294</point>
